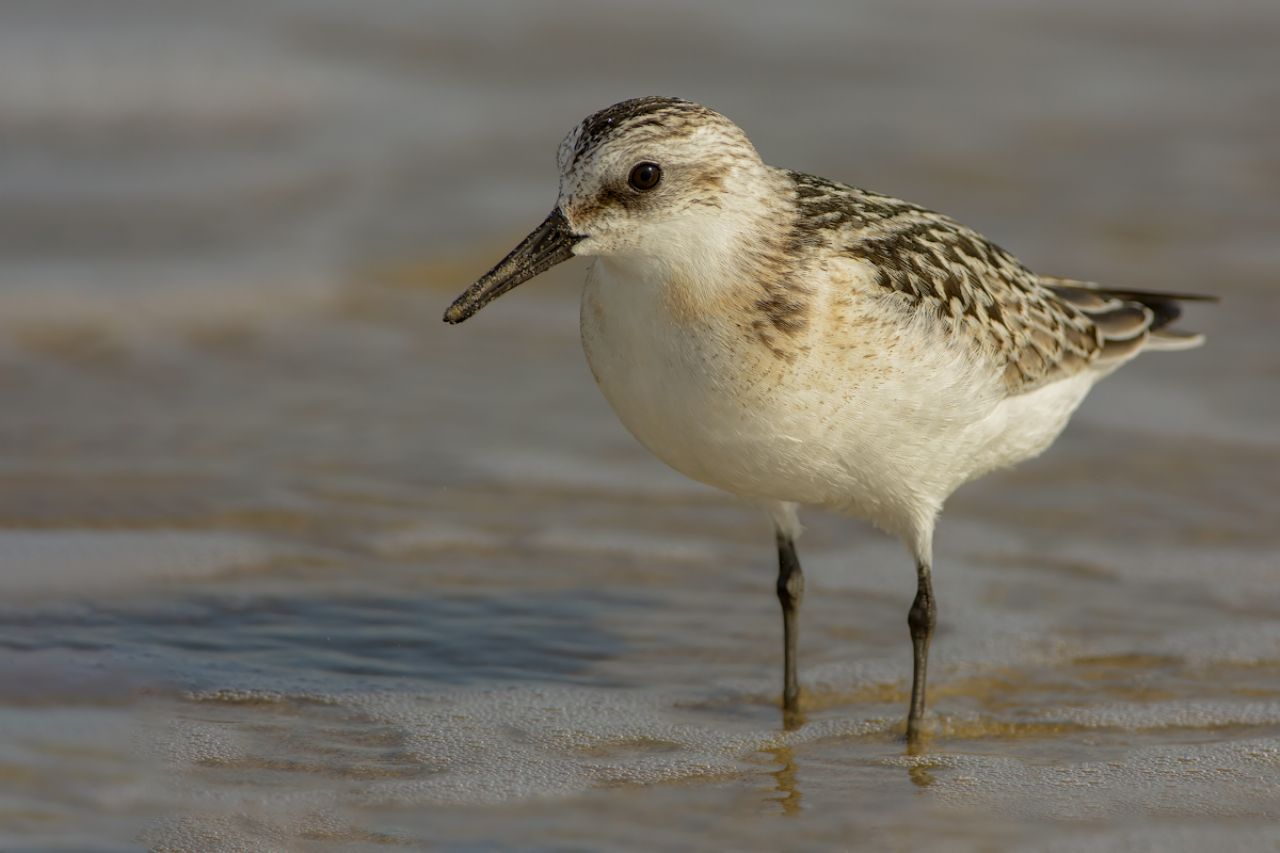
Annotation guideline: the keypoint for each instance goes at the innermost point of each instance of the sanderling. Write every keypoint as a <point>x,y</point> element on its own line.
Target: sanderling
<point>793,340</point>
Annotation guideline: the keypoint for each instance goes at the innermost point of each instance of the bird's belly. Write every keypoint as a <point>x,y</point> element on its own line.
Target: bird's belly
<point>702,429</point>
<point>868,422</point>
<point>710,403</point>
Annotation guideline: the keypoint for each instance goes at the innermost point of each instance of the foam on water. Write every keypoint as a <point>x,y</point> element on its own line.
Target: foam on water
<point>1221,779</point>
<point>497,748</point>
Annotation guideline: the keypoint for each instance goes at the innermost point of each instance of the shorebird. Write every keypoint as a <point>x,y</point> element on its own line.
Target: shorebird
<point>799,342</point>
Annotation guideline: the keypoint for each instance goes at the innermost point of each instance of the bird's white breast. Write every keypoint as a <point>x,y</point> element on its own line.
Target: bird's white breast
<point>670,381</point>
<point>860,411</point>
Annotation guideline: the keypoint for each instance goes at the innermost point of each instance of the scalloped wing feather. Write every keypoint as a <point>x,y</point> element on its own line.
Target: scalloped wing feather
<point>1036,329</point>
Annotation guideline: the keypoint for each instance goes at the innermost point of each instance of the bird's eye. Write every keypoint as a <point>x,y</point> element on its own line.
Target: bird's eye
<point>644,176</point>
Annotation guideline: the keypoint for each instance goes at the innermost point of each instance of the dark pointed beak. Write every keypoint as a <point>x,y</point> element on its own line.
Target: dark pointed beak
<point>549,244</point>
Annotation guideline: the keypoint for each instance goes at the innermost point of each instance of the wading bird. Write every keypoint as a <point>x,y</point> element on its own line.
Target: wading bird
<point>796,341</point>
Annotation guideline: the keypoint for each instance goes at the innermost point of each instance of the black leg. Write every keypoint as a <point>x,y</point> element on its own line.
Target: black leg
<point>790,591</point>
<point>921,619</point>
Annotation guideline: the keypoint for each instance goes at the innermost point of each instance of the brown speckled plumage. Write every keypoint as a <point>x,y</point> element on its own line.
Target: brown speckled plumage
<point>796,341</point>
<point>1034,329</point>
<point>659,116</point>
<point>1039,329</point>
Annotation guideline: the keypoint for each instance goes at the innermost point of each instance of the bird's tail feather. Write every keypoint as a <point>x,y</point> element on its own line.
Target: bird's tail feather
<point>1130,320</point>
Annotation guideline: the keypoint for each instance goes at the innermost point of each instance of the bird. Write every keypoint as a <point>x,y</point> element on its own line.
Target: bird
<point>800,342</point>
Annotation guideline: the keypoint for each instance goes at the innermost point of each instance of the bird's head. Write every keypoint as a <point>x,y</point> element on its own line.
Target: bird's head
<point>651,181</point>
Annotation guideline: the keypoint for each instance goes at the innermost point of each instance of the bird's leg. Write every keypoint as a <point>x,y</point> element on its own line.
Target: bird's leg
<point>790,591</point>
<point>921,619</point>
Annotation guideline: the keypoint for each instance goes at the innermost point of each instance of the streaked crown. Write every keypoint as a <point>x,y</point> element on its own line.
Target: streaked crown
<point>650,160</point>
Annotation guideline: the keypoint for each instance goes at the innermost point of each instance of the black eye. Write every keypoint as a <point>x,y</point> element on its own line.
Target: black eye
<point>644,176</point>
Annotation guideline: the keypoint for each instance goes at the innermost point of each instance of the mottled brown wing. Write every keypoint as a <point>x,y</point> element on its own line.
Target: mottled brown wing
<point>972,286</point>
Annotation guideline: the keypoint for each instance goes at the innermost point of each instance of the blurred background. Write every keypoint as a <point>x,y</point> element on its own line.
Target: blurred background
<point>287,563</point>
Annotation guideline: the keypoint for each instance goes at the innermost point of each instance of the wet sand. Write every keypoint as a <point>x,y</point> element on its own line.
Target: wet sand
<point>285,563</point>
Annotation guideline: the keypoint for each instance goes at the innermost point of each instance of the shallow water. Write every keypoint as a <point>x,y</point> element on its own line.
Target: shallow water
<point>287,564</point>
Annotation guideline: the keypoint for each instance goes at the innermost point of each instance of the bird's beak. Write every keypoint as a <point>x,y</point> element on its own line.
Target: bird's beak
<point>549,244</point>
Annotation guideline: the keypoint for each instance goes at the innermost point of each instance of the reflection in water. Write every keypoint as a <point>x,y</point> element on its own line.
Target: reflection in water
<point>785,779</point>
<point>917,748</point>
<point>920,776</point>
